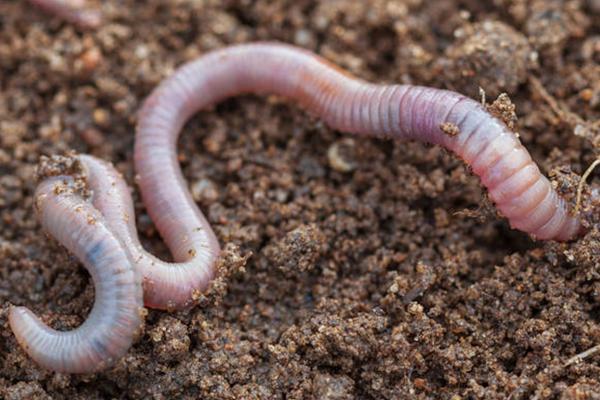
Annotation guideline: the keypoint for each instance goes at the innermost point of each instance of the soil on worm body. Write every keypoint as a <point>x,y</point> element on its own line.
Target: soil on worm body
<point>355,269</point>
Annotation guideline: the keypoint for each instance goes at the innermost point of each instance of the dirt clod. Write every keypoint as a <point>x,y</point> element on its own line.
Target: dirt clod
<point>171,340</point>
<point>450,129</point>
<point>504,109</point>
<point>491,55</point>
<point>298,251</point>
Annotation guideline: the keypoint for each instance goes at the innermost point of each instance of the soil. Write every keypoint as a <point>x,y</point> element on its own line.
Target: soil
<point>356,268</point>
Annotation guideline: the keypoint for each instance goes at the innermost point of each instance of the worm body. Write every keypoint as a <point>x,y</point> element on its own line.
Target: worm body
<point>73,11</point>
<point>116,316</point>
<point>514,182</point>
<point>111,250</point>
<point>166,285</point>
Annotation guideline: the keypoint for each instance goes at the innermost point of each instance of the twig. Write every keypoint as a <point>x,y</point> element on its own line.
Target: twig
<point>559,109</point>
<point>580,126</point>
<point>579,357</point>
<point>582,182</point>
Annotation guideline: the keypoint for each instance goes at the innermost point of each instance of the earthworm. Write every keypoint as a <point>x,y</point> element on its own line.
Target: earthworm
<point>494,153</point>
<point>73,11</point>
<point>116,316</point>
<point>104,235</point>
<point>166,285</point>
<point>406,112</point>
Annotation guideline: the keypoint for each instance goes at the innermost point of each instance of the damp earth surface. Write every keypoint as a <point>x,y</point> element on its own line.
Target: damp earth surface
<point>352,269</point>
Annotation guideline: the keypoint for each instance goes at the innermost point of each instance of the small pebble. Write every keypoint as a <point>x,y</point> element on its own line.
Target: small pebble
<point>204,190</point>
<point>340,155</point>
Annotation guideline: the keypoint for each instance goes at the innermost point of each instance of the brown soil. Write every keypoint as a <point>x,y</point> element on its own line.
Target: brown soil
<point>376,269</point>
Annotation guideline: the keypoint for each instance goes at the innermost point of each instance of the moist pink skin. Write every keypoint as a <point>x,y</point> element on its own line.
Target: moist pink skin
<point>72,11</point>
<point>167,286</point>
<point>111,249</point>
<point>116,317</point>
<point>345,103</point>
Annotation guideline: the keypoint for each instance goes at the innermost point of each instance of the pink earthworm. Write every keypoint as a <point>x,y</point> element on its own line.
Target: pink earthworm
<point>117,314</point>
<point>166,285</point>
<point>73,11</point>
<point>494,153</point>
<point>104,235</point>
<point>407,112</point>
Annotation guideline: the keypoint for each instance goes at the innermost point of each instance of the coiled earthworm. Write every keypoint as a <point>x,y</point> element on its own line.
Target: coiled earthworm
<point>116,316</point>
<point>73,11</point>
<point>166,285</point>
<point>346,103</point>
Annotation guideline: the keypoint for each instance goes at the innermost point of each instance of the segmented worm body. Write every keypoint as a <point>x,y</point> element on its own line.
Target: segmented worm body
<point>166,285</point>
<point>73,11</point>
<point>348,104</point>
<point>110,246</point>
<point>116,316</point>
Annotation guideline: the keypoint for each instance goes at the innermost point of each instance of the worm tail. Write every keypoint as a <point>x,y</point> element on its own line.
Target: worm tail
<point>166,285</point>
<point>514,182</point>
<point>116,317</point>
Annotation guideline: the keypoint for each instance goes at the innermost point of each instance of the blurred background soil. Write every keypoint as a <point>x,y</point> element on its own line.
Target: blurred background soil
<point>375,269</point>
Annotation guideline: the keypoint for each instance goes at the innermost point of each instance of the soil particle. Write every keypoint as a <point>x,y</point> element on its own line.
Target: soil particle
<point>64,166</point>
<point>580,392</point>
<point>551,23</point>
<point>298,251</point>
<point>58,165</point>
<point>491,55</point>
<point>25,391</point>
<point>231,263</point>
<point>449,129</point>
<point>171,340</point>
<point>331,387</point>
<point>204,190</point>
<point>341,155</point>
<point>504,109</point>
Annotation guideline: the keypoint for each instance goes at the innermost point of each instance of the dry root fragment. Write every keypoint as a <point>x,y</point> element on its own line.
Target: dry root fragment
<point>584,177</point>
<point>586,129</point>
<point>583,355</point>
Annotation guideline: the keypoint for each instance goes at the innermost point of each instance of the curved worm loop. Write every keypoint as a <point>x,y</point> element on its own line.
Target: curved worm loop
<point>72,11</point>
<point>166,285</point>
<point>346,103</point>
<point>116,316</point>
